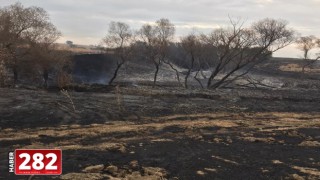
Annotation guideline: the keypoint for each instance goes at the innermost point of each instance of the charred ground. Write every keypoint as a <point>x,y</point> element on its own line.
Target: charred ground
<point>134,131</point>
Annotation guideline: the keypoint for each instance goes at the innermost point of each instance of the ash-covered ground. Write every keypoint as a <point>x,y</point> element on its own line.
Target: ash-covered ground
<point>134,131</point>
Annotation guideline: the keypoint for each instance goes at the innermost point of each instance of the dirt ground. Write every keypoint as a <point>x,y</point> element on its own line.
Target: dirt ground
<point>166,133</point>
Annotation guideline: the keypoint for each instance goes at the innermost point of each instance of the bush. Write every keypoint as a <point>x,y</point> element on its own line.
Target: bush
<point>64,79</point>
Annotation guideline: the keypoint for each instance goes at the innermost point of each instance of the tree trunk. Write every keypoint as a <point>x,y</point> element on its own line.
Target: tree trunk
<point>115,74</point>
<point>210,80</point>
<point>214,74</point>
<point>155,75</point>
<point>176,70</point>
<point>198,80</point>
<point>219,83</point>
<point>15,76</point>
<point>45,76</point>
<point>188,73</point>
<point>186,79</point>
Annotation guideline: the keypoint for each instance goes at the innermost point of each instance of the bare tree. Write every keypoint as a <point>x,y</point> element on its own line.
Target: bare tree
<point>19,27</point>
<point>174,59</point>
<point>239,48</point>
<point>192,46</point>
<point>120,38</point>
<point>43,52</point>
<point>156,40</point>
<point>306,44</point>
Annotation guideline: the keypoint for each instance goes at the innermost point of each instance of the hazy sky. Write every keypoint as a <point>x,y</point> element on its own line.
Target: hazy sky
<point>86,21</point>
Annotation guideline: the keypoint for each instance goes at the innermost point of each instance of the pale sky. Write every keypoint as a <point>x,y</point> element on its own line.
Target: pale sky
<point>86,21</point>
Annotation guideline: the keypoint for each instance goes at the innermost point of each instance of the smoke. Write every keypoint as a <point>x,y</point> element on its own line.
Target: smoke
<point>93,68</point>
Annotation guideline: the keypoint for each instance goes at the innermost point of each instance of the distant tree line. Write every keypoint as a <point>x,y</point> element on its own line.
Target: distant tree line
<point>28,46</point>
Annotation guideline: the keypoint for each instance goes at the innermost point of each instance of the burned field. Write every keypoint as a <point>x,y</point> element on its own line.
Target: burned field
<point>134,131</point>
<point>141,132</point>
<point>147,103</point>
